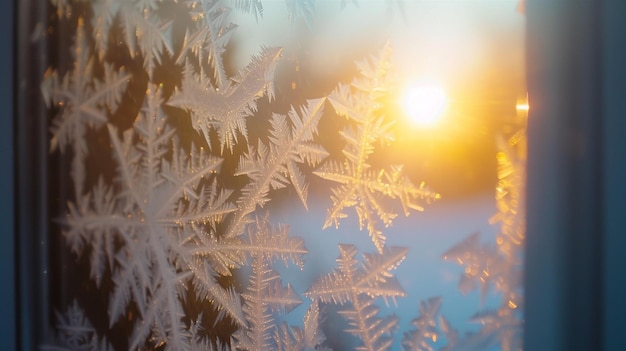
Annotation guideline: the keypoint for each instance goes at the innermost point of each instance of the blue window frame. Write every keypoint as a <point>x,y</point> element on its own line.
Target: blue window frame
<point>575,284</point>
<point>7,248</point>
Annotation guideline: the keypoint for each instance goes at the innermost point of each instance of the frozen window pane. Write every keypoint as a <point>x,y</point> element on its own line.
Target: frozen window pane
<point>258,175</point>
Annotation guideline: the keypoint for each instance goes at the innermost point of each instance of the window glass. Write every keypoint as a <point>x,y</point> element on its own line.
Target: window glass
<point>285,175</point>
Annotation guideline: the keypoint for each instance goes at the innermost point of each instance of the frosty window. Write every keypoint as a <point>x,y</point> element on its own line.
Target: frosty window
<point>293,175</point>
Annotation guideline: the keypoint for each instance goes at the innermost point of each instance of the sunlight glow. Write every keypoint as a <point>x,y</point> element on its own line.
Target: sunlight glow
<point>522,104</point>
<point>425,103</point>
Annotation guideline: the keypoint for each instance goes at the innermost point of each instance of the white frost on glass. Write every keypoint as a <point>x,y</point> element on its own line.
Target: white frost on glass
<point>74,332</point>
<point>175,221</point>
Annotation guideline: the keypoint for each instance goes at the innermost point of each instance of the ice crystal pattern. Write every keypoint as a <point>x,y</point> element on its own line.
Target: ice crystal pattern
<point>359,185</point>
<point>499,266</point>
<point>167,238</point>
<point>359,285</point>
<point>75,333</point>
<point>84,100</point>
<point>225,108</point>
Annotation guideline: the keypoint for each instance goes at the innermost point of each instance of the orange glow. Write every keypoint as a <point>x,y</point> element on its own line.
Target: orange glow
<point>522,104</point>
<point>424,104</point>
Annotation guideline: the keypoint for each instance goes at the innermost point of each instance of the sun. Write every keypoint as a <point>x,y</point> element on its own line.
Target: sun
<point>424,103</point>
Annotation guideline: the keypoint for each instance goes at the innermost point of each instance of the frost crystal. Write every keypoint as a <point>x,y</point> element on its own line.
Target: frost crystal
<point>75,333</point>
<point>265,293</point>
<point>359,285</point>
<point>84,101</point>
<point>145,34</point>
<point>359,184</point>
<point>226,107</point>
<point>295,339</point>
<point>274,166</point>
<point>156,216</point>
<point>499,267</point>
<point>425,327</point>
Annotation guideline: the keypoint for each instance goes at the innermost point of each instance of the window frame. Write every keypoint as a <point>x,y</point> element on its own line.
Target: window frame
<point>576,234</point>
<point>7,213</point>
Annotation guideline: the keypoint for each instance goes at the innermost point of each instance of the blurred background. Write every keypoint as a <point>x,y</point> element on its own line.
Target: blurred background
<point>472,49</point>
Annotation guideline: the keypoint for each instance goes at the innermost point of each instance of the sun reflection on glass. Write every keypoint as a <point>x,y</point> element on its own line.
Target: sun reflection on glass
<point>424,104</point>
<point>522,104</point>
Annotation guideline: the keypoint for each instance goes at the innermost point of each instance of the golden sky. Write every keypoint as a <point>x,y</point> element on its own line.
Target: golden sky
<point>473,49</point>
